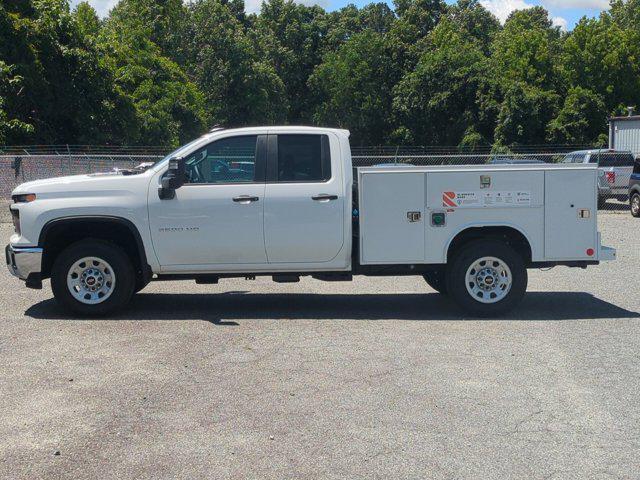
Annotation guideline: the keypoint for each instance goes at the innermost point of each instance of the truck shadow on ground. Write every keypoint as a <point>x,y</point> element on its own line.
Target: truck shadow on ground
<point>224,308</point>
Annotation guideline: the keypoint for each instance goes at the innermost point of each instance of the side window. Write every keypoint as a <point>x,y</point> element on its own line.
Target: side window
<point>229,160</point>
<point>636,166</point>
<point>303,158</point>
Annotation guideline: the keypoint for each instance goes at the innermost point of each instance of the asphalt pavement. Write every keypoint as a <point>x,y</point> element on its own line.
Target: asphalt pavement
<point>379,378</point>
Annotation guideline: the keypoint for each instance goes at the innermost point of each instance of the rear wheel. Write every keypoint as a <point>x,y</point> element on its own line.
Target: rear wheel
<point>635,205</point>
<point>487,278</point>
<point>92,278</point>
<point>437,280</point>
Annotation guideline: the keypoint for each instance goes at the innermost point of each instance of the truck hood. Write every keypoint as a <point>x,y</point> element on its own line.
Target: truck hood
<point>72,185</point>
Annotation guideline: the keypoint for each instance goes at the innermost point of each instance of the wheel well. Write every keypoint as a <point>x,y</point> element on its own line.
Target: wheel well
<point>509,235</point>
<point>59,234</point>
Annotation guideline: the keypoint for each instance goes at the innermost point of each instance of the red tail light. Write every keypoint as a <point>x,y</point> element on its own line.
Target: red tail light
<point>611,177</point>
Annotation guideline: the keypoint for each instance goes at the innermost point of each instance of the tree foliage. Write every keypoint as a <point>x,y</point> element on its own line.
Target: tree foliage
<point>163,71</point>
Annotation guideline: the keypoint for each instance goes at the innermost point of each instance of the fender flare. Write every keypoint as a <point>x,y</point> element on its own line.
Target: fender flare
<point>142,257</point>
<point>478,226</point>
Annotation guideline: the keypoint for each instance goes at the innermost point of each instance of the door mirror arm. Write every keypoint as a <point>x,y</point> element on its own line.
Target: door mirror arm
<point>174,178</point>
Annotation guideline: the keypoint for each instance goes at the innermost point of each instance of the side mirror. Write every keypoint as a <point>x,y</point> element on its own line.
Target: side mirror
<point>173,179</point>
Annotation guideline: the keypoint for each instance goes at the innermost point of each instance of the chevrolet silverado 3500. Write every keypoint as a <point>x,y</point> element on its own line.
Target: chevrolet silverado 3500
<point>282,202</point>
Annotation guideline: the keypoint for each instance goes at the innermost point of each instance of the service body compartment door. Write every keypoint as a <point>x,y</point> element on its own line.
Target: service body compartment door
<point>570,214</point>
<point>392,216</point>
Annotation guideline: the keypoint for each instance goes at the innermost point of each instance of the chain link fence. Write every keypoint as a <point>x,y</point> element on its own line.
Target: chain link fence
<point>26,163</point>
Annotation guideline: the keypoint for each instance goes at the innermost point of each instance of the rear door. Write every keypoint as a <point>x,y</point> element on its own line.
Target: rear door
<point>304,199</point>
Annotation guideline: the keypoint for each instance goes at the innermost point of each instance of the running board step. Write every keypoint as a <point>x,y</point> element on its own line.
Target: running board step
<point>286,278</point>
<point>207,279</point>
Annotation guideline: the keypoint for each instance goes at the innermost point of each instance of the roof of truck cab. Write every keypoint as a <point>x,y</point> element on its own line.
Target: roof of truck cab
<point>600,150</point>
<point>280,129</point>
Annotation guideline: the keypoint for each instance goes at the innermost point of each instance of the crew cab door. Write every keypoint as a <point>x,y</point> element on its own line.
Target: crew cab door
<point>304,199</point>
<point>216,218</point>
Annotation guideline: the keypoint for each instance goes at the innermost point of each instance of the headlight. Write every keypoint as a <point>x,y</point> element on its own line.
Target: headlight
<point>24,198</point>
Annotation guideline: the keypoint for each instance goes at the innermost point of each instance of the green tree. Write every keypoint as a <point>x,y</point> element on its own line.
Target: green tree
<point>87,20</point>
<point>581,119</point>
<point>10,85</point>
<point>523,93</point>
<point>289,36</point>
<point>436,102</point>
<point>524,115</point>
<point>604,57</point>
<point>166,107</point>
<point>475,21</point>
<point>353,86</point>
<point>527,49</point>
<point>66,94</point>
<point>160,21</point>
<point>416,18</point>
<point>239,87</point>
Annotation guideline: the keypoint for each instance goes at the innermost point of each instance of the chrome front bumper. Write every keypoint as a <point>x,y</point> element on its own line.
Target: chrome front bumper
<point>24,261</point>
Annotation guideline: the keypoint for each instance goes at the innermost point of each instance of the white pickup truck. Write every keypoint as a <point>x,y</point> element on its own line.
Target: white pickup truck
<point>282,202</point>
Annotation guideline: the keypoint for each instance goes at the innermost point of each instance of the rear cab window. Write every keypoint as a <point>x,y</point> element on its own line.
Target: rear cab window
<point>613,159</point>
<point>303,158</point>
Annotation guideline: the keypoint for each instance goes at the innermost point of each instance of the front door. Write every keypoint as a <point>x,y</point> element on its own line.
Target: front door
<point>216,218</point>
<point>304,199</point>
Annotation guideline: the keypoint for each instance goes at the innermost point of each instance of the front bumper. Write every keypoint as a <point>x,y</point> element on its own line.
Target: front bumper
<point>24,262</point>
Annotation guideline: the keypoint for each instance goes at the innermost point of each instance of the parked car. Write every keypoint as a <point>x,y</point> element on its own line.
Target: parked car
<point>614,171</point>
<point>634,189</point>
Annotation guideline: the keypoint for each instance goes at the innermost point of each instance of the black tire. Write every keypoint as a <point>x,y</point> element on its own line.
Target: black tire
<point>123,273</point>
<point>634,203</point>
<point>437,280</point>
<point>463,260</point>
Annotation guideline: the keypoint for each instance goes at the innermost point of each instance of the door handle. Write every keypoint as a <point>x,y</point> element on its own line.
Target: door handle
<point>323,197</point>
<point>245,199</point>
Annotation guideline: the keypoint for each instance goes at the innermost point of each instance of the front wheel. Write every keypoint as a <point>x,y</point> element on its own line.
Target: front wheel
<point>92,278</point>
<point>487,278</point>
<point>635,205</point>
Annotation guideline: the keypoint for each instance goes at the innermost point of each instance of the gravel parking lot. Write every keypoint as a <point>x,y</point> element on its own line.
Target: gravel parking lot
<point>380,378</point>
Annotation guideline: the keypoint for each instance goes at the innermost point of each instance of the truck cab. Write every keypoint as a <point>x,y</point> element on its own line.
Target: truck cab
<point>281,201</point>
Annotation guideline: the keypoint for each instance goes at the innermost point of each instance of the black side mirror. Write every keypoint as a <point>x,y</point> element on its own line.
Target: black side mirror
<point>173,179</point>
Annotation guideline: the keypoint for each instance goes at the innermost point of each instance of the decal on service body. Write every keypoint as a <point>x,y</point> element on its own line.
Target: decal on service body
<point>486,199</point>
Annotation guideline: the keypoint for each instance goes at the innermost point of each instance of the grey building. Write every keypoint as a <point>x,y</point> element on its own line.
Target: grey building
<point>624,133</point>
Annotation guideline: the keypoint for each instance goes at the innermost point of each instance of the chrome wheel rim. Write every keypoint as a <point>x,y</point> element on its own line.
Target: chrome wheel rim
<point>635,204</point>
<point>488,280</point>
<point>91,280</point>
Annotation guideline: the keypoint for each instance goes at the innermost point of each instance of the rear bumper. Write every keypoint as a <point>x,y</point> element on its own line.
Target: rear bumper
<point>24,262</point>
<point>613,191</point>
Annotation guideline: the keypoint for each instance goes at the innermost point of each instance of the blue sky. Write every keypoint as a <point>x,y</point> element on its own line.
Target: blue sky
<point>564,12</point>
